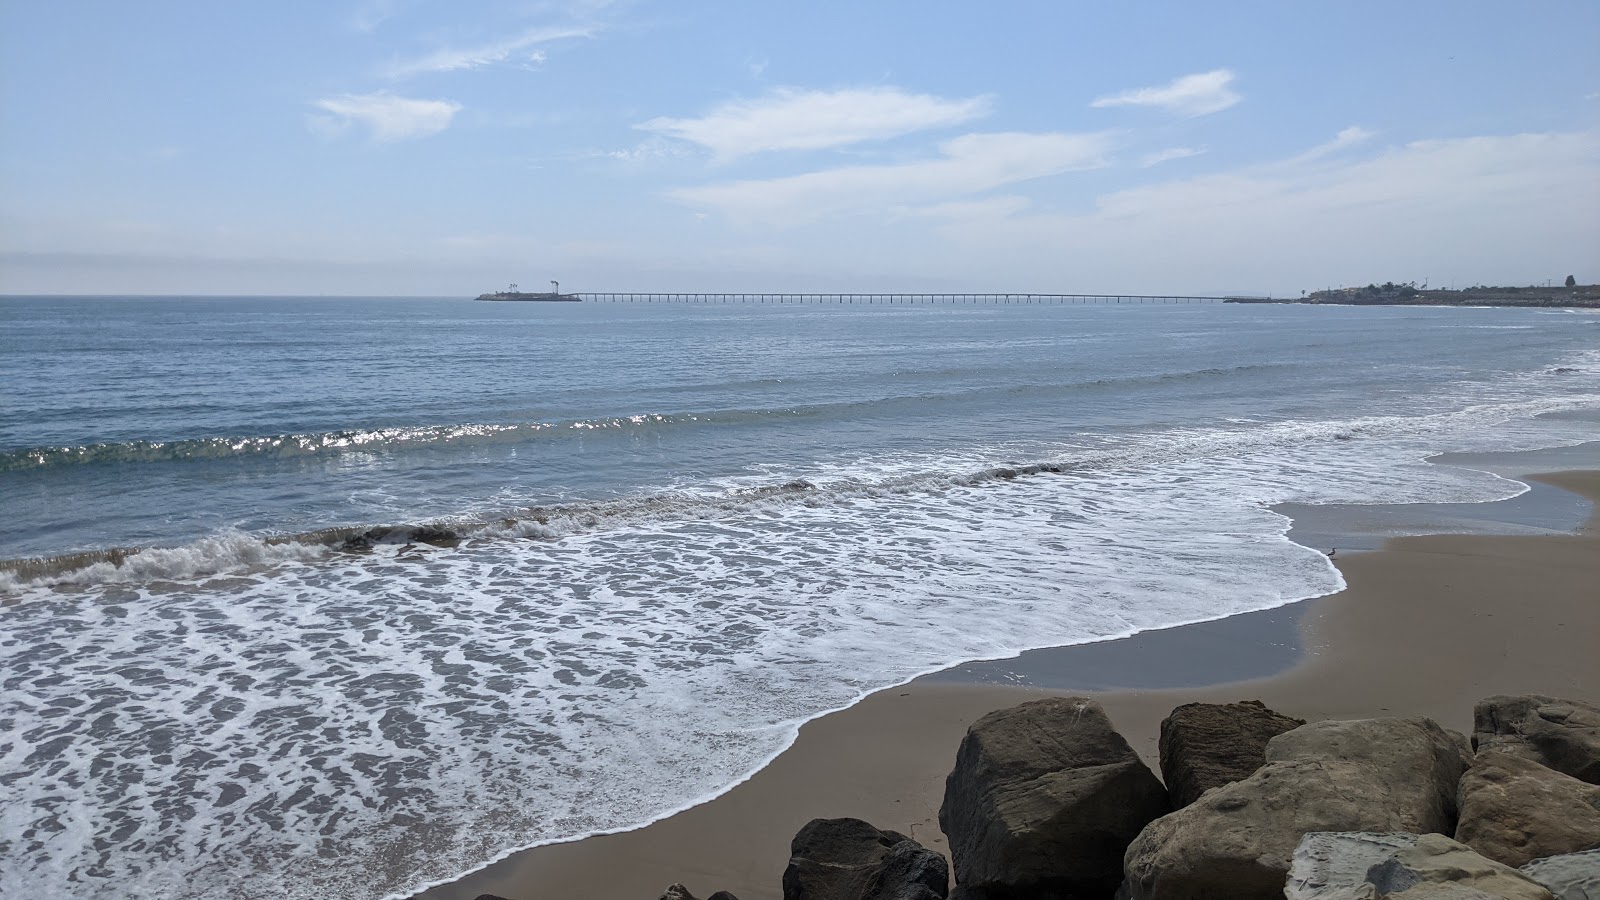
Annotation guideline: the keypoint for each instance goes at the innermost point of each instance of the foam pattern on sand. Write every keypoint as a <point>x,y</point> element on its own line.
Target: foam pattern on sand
<point>340,725</point>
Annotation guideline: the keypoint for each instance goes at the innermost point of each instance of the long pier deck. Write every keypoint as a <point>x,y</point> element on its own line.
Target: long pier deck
<point>900,299</point>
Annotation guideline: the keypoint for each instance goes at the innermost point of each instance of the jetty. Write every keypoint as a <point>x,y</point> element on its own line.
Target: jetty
<point>551,296</point>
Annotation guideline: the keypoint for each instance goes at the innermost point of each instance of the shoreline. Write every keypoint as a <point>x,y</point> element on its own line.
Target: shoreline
<point>1381,640</point>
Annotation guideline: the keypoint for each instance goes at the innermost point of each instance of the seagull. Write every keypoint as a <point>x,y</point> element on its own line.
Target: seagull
<point>1332,552</point>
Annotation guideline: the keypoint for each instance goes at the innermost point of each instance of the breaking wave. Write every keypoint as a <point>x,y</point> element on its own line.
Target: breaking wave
<point>231,551</point>
<point>311,444</point>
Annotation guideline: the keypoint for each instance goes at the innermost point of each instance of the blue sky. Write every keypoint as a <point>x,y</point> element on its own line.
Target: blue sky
<point>413,147</point>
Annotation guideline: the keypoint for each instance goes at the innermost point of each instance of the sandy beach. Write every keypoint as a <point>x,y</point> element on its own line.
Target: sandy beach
<point>1426,626</point>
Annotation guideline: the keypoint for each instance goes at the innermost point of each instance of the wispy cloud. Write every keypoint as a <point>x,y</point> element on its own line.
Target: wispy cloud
<point>1517,202</point>
<point>522,46</point>
<point>1345,139</point>
<point>387,117</point>
<point>969,165</point>
<point>1168,155</point>
<point>1191,95</point>
<point>792,119</point>
<point>369,14</point>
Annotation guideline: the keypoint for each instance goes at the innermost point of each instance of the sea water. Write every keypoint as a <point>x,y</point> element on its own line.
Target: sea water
<point>680,531</point>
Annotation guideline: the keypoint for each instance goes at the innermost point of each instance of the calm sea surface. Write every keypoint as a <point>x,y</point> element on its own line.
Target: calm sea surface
<point>679,531</point>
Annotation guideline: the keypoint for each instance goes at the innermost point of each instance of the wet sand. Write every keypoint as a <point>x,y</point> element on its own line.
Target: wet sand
<point>1426,626</point>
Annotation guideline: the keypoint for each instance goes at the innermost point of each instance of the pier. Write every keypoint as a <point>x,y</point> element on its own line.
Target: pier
<point>921,299</point>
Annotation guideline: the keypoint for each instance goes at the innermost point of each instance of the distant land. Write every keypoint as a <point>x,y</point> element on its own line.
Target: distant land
<point>1586,296</point>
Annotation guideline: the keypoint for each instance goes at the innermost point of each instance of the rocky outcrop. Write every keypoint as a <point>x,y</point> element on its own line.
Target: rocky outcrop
<point>1514,810</point>
<point>1333,865</point>
<point>848,859</point>
<point>1043,799</point>
<point>1207,745</point>
<point>1572,876</point>
<point>1237,840</point>
<point>1559,734</point>
<point>403,534</point>
<point>679,892</point>
<point>1435,860</point>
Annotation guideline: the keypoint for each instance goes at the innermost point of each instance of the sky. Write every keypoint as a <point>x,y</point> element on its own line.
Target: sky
<point>408,147</point>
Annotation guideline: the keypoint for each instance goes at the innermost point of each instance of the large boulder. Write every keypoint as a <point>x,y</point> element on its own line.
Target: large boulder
<point>1237,840</point>
<point>848,859</point>
<point>1435,860</point>
<point>1560,734</point>
<point>679,892</point>
<point>1043,800</point>
<point>1333,865</point>
<point>1571,876</point>
<point>1514,810</point>
<point>1207,745</point>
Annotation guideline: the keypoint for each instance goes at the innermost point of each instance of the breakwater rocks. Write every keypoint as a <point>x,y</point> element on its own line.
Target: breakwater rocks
<point>1048,802</point>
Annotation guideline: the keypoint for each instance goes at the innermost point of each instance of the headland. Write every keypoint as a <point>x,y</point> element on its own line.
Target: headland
<point>1577,296</point>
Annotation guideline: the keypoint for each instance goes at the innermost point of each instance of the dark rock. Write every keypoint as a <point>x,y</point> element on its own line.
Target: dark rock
<point>1560,734</point>
<point>1514,810</point>
<point>1207,745</point>
<point>1333,865</point>
<point>1237,840</point>
<point>679,892</point>
<point>848,859</point>
<point>1437,860</point>
<point>1043,800</point>
<point>1571,876</point>
<point>386,534</point>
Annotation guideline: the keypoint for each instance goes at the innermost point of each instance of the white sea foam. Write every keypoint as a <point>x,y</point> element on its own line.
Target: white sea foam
<point>387,720</point>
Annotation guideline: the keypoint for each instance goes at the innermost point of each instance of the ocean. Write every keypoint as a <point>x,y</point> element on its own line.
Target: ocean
<point>419,582</point>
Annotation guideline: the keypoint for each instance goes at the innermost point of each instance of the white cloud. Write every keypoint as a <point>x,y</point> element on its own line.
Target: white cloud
<point>791,119</point>
<point>650,149</point>
<point>369,14</point>
<point>1494,208</point>
<point>970,164</point>
<point>455,59</point>
<point>1345,139</point>
<point>983,208</point>
<point>1191,95</point>
<point>1168,155</point>
<point>388,117</point>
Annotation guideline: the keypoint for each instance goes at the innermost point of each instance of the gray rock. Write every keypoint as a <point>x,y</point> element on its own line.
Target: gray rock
<point>1043,800</point>
<point>1560,734</point>
<point>1514,810</point>
<point>848,859</point>
<point>1333,865</point>
<point>722,895</point>
<point>1447,890</point>
<point>1571,876</point>
<point>1237,840</point>
<point>1437,860</point>
<point>1207,745</point>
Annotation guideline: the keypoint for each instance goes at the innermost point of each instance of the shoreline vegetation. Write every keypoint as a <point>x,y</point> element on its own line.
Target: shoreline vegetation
<point>1428,638</point>
<point>1579,296</point>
